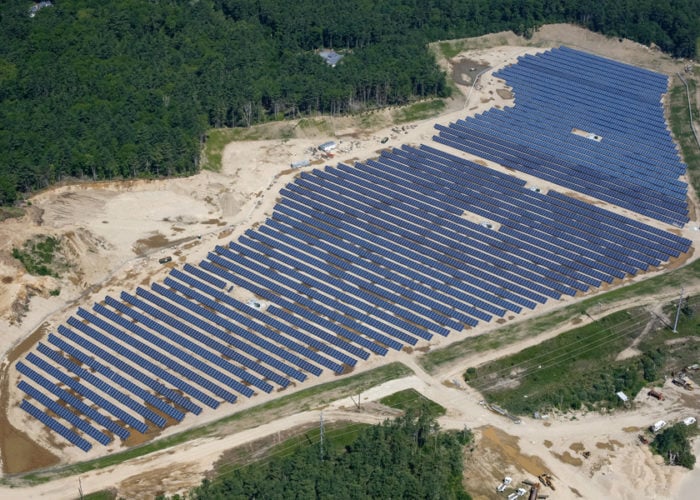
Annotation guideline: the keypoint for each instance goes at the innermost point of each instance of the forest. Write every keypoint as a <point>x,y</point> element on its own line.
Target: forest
<point>408,457</point>
<point>129,88</point>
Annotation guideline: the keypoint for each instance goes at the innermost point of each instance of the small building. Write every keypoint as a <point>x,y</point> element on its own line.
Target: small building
<point>331,57</point>
<point>623,397</point>
<point>327,147</point>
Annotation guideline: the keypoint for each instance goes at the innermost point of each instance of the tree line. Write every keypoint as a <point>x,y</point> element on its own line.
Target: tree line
<point>404,458</point>
<point>128,88</point>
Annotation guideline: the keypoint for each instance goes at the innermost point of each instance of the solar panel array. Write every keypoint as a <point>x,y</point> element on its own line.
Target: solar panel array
<point>632,161</point>
<point>355,260</point>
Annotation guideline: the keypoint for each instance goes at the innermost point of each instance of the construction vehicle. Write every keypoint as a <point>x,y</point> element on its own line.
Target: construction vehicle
<point>546,479</point>
<point>656,394</point>
<point>534,491</point>
<point>681,381</point>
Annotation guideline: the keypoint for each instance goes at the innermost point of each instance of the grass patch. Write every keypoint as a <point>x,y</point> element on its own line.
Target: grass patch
<point>642,291</point>
<point>410,399</point>
<point>579,368</point>
<point>419,111</point>
<point>38,255</point>
<point>321,125</point>
<point>101,495</point>
<point>680,126</point>
<point>371,120</point>
<point>575,368</point>
<point>340,434</point>
<point>452,48</point>
<point>266,412</point>
<point>10,213</point>
<point>217,139</point>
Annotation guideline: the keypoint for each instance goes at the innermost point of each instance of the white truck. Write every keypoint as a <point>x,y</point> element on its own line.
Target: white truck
<point>658,426</point>
<point>506,481</point>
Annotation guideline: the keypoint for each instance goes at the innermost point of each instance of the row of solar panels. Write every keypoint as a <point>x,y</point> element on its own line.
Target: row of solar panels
<point>576,99</point>
<point>530,201</point>
<point>604,74</point>
<point>636,153</point>
<point>547,77</point>
<point>650,169</point>
<point>507,150</point>
<point>569,178</point>
<point>109,388</point>
<point>612,238</point>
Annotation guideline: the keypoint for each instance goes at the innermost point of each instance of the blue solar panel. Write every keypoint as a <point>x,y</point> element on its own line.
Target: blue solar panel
<point>239,306</point>
<point>117,378</point>
<point>87,393</point>
<point>141,360</point>
<point>73,401</point>
<point>170,335</point>
<point>54,425</point>
<point>208,338</point>
<point>64,413</point>
<point>634,153</point>
<point>100,384</point>
<point>170,359</point>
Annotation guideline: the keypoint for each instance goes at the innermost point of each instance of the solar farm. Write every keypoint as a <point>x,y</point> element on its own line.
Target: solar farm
<point>357,261</point>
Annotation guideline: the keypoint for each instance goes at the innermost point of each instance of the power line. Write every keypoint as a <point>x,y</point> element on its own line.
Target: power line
<point>567,352</point>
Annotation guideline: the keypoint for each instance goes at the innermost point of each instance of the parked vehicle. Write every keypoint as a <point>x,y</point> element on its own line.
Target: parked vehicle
<point>656,394</point>
<point>658,426</point>
<point>506,481</point>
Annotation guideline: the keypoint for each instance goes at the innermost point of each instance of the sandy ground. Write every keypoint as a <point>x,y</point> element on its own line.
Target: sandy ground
<point>116,232</point>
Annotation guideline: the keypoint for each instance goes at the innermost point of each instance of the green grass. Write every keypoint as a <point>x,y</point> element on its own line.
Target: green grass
<point>322,125</point>
<point>370,120</point>
<point>217,139</point>
<point>340,434</point>
<point>579,366</point>
<point>100,495</point>
<point>10,213</point>
<point>567,369</point>
<point>451,49</point>
<point>410,399</point>
<point>37,255</point>
<point>641,291</point>
<point>419,111</point>
<point>266,412</point>
<point>680,125</point>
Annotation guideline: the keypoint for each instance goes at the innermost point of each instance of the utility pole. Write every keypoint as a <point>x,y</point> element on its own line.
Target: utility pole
<point>321,427</point>
<point>678,312</point>
<point>80,489</point>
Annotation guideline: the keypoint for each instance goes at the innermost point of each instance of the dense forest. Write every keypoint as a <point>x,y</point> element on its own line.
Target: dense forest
<point>404,458</point>
<point>128,88</point>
